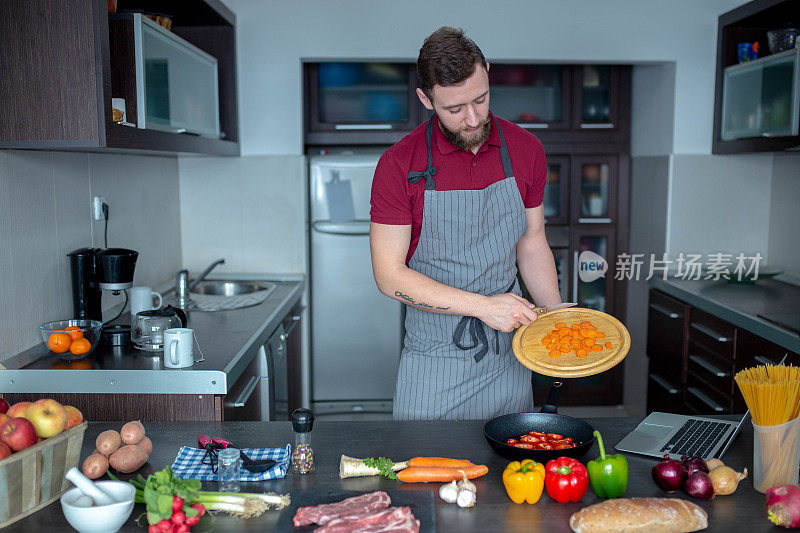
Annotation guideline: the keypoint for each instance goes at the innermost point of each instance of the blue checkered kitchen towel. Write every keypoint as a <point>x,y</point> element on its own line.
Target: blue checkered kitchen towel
<point>187,464</point>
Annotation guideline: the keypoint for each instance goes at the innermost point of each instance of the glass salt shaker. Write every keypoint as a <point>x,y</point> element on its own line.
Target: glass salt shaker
<point>228,467</point>
<point>303,455</point>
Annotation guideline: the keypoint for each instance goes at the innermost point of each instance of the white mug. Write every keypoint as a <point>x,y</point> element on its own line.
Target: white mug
<point>178,347</point>
<point>142,300</point>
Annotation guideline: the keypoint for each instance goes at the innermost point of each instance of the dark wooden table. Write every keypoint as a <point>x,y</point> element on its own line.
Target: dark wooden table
<point>742,511</point>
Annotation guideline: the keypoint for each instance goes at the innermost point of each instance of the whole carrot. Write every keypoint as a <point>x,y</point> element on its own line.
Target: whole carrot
<point>426,474</point>
<point>440,462</point>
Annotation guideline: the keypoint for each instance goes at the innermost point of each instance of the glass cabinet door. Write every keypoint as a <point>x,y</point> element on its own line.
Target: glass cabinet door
<point>597,86</point>
<point>556,190</point>
<point>533,96</point>
<point>594,189</point>
<point>593,265</point>
<point>362,96</point>
<point>760,97</point>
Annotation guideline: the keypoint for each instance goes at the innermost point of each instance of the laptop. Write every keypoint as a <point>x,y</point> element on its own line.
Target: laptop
<point>677,435</point>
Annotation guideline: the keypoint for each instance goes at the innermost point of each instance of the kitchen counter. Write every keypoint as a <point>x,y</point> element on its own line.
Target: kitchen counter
<point>740,304</point>
<point>229,341</point>
<point>494,511</point>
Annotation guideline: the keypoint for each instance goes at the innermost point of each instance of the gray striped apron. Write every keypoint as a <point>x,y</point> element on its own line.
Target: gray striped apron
<point>467,241</point>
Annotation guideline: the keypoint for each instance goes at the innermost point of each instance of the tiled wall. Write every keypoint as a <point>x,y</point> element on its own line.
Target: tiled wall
<point>45,212</point>
<point>249,210</point>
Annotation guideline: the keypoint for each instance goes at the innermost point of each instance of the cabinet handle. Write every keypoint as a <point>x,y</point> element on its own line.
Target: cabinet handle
<point>247,392</point>
<point>363,126</point>
<point>294,321</point>
<point>533,125</point>
<point>664,311</point>
<point>594,221</point>
<point>763,360</point>
<point>664,384</point>
<point>575,276</point>
<point>596,126</point>
<point>708,366</point>
<point>706,400</point>
<point>710,332</point>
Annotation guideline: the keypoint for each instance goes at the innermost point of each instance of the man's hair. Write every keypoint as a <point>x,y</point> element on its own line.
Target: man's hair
<point>447,57</point>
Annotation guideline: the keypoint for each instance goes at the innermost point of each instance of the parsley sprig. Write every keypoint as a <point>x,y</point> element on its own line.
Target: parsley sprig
<point>383,465</point>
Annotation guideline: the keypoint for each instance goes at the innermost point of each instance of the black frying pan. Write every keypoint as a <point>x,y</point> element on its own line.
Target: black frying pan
<point>499,429</point>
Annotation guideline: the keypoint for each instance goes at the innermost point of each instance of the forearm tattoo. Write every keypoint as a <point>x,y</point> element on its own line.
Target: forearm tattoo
<point>422,305</point>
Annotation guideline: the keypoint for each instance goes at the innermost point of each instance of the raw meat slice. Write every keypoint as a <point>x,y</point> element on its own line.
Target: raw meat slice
<point>322,514</point>
<point>391,520</point>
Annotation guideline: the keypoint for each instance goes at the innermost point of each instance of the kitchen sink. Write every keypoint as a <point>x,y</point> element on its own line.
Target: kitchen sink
<point>231,288</point>
<point>223,295</point>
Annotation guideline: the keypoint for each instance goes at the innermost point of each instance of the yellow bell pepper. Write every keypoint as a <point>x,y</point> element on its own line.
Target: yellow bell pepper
<point>524,481</point>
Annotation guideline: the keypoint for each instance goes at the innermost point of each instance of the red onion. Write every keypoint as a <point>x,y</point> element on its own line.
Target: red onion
<point>670,474</point>
<point>783,506</point>
<point>694,464</point>
<point>699,485</point>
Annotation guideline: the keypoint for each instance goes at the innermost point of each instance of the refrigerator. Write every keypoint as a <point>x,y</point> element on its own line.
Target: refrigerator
<point>356,332</point>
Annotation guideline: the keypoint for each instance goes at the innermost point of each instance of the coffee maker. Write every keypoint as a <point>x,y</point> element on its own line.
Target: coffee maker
<point>95,270</point>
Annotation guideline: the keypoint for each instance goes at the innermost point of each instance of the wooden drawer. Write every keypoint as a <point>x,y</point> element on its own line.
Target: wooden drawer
<point>666,318</point>
<point>752,350</point>
<point>715,334</point>
<point>716,371</point>
<point>703,399</point>
<point>663,394</point>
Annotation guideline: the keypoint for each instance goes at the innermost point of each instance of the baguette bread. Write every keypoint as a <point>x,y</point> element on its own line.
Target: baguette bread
<point>629,515</point>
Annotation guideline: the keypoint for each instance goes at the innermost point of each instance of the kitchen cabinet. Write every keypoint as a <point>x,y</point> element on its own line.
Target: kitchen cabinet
<point>694,356</point>
<point>64,62</point>
<point>756,103</point>
<point>594,193</point>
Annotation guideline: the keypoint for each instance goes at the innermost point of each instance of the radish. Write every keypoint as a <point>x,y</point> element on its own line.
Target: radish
<point>783,506</point>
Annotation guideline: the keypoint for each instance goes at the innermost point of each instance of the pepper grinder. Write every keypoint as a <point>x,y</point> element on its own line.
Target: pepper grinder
<point>303,455</point>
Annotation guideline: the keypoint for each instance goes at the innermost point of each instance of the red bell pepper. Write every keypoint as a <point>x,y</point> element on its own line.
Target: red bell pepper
<point>566,480</point>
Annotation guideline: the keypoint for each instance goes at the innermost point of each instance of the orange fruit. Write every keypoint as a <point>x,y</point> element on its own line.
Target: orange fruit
<point>74,332</point>
<point>59,342</point>
<point>80,347</point>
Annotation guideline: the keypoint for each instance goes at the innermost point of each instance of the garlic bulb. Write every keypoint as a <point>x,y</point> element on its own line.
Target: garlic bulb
<point>449,492</point>
<point>466,498</point>
<point>466,484</point>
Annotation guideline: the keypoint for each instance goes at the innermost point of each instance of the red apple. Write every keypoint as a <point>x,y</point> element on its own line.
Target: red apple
<point>48,417</point>
<point>18,409</point>
<point>5,451</point>
<point>3,406</point>
<point>3,418</point>
<point>18,433</point>
<point>75,417</point>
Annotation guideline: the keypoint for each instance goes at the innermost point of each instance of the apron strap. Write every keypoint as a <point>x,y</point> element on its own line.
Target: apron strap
<point>507,170</point>
<point>477,334</point>
<point>430,170</point>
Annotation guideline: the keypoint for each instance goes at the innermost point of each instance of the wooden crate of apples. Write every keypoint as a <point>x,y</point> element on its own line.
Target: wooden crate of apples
<point>39,442</point>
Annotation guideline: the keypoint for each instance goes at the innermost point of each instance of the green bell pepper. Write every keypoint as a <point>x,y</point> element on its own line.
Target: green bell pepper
<point>609,473</point>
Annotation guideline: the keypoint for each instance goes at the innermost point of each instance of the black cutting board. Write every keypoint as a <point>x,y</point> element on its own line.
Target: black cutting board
<point>420,502</point>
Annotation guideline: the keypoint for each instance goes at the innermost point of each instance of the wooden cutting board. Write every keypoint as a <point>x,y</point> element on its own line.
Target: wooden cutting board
<point>530,351</point>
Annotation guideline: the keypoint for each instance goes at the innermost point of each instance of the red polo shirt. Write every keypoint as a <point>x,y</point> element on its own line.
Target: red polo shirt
<point>396,201</point>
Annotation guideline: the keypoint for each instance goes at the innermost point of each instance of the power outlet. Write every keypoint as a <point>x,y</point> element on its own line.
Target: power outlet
<point>98,207</point>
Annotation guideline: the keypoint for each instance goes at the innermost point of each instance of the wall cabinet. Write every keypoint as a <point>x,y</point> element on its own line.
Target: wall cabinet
<point>756,103</point>
<point>694,357</point>
<point>64,62</point>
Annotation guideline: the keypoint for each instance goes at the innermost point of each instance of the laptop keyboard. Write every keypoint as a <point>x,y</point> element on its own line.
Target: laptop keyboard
<point>695,438</point>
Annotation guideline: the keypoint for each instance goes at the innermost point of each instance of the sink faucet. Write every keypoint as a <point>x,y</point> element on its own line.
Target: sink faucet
<point>182,285</point>
<point>202,276</point>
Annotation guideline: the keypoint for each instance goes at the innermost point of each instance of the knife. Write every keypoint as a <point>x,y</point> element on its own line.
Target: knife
<point>548,308</point>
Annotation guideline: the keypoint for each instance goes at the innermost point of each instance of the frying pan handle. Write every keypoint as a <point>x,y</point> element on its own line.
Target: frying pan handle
<point>551,403</point>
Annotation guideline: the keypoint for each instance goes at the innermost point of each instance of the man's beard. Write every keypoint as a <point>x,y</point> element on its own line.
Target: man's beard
<point>468,141</point>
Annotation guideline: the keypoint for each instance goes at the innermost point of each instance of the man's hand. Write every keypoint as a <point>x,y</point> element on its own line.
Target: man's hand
<point>506,312</point>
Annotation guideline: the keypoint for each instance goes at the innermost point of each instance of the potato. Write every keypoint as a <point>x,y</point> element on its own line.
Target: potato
<point>128,458</point>
<point>147,444</point>
<point>108,442</point>
<point>132,432</point>
<point>95,466</point>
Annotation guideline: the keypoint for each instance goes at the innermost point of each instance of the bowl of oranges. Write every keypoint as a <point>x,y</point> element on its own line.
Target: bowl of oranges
<point>71,339</point>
